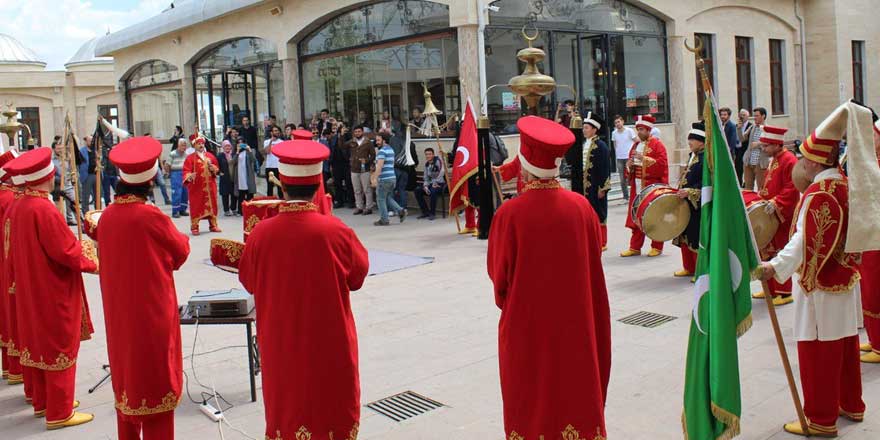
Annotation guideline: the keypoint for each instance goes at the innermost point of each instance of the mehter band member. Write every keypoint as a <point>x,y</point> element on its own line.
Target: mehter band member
<point>47,271</point>
<point>596,162</point>
<point>140,249</point>
<point>646,166</point>
<point>305,327</point>
<point>11,366</point>
<point>200,171</point>
<point>779,189</point>
<point>871,287</point>
<point>554,336</point>
<point>690,189</point>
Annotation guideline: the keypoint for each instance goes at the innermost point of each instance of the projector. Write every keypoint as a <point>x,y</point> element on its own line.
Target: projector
<point>220,303</point>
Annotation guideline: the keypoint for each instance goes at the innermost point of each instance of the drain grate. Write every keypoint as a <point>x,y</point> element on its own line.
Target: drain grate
<point>405,405</point>
<point>647,319</point>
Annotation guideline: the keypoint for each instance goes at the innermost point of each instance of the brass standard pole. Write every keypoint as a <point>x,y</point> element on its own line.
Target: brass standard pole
<point>99,170</point>
<point>71,147</point>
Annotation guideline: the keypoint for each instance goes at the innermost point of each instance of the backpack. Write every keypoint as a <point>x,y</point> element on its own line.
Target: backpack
<point>497,150</point>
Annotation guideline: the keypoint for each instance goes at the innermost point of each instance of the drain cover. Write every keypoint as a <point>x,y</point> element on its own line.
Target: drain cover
<point>405,405</point>
<point>647,319</point>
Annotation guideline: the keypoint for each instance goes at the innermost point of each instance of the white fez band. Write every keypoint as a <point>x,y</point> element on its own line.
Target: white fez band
<point>17,180</point>
<point>39,174</point>
<point>697,132</point>
<point>645,123</point>
<point>2,173</point>
<point>773,136</point>
<point>589,120</point>
<point>291,170</point>
<point>141,177</point>
<point>540,173</point>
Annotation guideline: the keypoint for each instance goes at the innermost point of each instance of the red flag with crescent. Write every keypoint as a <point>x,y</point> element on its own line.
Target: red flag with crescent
<point>465,163</point>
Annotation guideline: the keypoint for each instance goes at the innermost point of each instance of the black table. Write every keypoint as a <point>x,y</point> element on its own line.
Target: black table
<point>187,318</point>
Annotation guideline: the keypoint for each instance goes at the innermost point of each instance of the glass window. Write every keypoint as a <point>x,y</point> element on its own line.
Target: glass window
<point>777,76</point>
<point>110,113</point>
<point>237,54</point>
<point>708,55</point>
<point>152,73</point>
<point>155,111</point>
<point>276,93</point>
<point>638,77</point>
<point>858,70</point>
<point>29,116</point>
<point>503,107</point>
<point>576,15</point>
<point>744,72</point>
<point>377,22</point>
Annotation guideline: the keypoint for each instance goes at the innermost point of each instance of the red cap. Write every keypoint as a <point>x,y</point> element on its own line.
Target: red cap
<point>542,145</point>
<point>33,167</point>
<point>137,159</point>
<point>772,135</point>
<point>5,158</point>
<point>300,135</point>
<point>301,161</point>
<point>646,121</point>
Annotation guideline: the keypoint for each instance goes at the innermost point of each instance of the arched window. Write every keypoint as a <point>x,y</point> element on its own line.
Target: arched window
<point>151,73</point>
<point>368,66</point>
<point>577,15</point>
<point>237,54</point>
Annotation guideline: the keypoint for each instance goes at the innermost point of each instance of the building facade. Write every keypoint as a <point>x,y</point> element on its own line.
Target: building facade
<point>204,65</point>
<point>43,98</point>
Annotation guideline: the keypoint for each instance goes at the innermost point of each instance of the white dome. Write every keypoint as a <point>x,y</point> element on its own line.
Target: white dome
<point>86,55</point>
<point>13,52</point>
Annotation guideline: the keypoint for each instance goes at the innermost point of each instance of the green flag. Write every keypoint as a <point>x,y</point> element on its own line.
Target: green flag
<point>722,301</point>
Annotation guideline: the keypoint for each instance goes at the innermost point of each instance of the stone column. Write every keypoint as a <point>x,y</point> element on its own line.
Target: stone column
<point>189,117</point>
<point>677,81</point>
<point>468,66</point>
<point>122,108</point>
<point>292,98</point>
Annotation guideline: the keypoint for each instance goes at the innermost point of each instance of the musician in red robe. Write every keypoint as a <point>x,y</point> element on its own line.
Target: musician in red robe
<point>137,287</point>
<point>509,171</point>
<point>47,268</point>
<point>779,189</point>
<point>305,327</point>
<point>200,171</point>
<point>647,165</point>
<point>322,200</point>
<point>554,336</point>
<point>871,288</point>
<point>9,326</point>
<point>11,372</point>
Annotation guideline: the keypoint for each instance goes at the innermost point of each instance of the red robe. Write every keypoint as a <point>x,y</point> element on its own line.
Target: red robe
<point>137,286</point>
<point>306,332</point>
<point>6,197</point>
<point>871,297</point>
<point>554,336</point>
<point>202,189</point>
<point>47,268</point>
<point>511,170</point>
<point>780,190</point>
<point>654,169</point>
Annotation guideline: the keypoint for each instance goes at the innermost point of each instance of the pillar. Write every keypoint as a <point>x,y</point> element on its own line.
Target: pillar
<point>189,114</point>
<point>468,68</point>
<point>292,94</point>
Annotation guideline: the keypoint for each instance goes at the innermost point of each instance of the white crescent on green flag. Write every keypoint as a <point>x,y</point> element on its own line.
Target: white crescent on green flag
<point>722,300</point>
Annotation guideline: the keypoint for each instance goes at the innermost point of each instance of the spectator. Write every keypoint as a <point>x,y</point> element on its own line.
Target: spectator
<point>227,193</point>
<point>340,166</point>
<point>756,164</point>
<point>67,192</point>
<point>417,117</point>
<point>433,186</point>
<point>623,138</point>
<point>267,126</point>
<point>89,184</point>
<point>232,134</point>
<point>271,159</point>
<point>109,174</point>
<point>385,181</point>
<point>84,166</point>
<point>729,131</point>
<point>362,157</point>
<point>564,111</point>
<point>364,121</point>
<point>325,139</point>
<point>388,125</point>
<point>243,176</point>
<point>404,173</point>
<point>325,123</point>
<point>174,167</point>
<point>288,129</point>
<point>178,133</point>
<point>743,130</point>
<point>249,133</point>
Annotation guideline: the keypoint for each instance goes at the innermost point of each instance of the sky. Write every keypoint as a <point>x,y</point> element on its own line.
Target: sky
<point>55,29</point>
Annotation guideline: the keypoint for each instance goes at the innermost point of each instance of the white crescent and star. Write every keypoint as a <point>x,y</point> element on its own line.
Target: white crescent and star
<point>465,152</point>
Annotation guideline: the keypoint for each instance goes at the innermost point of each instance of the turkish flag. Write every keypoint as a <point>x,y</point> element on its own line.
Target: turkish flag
<point>465,163</point>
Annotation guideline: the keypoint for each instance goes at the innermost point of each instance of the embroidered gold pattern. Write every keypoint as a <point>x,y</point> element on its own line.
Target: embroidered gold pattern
<point>277,436</point>
<point>232,249</point>
<point>297,207</point>
<point>36,193</point>
<point>6,227</point>
<point>128,198</point>
<point>11,350</point>
<point>569,433</point>
<point>303,434</point>
<point>12,288</point>
<point>514,436</point>
<point>542,184</point>
<point>871,314</point>
<point>587,161</point>
<point>823,220</point>
<point>771,171</point>
<point>62,362</point>
<point>169,403</point>
<point>251,223</point>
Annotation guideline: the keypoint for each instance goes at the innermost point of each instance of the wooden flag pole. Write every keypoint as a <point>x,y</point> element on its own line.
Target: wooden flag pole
<point>71,155</point>
<point>792,386</point>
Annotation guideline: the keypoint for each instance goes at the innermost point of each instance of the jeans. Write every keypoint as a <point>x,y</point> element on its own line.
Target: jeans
<point>400,187</point>
<point>108,182</point>
<point>385,193</point>
<point>269,185</point>
<point>179,196</point>
<point>433,193</point>
<point>621,166</point>
<point>160,182</point>
<point>88,191</point>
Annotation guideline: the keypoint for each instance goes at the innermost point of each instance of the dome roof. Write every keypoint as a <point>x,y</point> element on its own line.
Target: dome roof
<point>86,54</point>
<point>13,52</point>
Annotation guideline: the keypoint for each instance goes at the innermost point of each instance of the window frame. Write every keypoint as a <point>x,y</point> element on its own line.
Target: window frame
<point>708,56</point>
<point>745,87</point>
<point>35,128</point>
<point>858,70</point>
<point>777,69</point>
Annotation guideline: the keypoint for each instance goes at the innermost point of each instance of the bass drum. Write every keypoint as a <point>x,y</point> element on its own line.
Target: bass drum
<point>660,213</point>
<point>256,210</point>
<point>764,225</point>
<point>90,226</point>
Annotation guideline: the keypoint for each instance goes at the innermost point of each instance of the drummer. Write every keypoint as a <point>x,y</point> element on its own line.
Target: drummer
<point>647,165</point>
<point>780,191</point>
<point>690,189</point>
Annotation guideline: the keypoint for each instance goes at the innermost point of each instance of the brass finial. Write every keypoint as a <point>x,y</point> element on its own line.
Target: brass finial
<point>532,84</point>
<point>577,122</point>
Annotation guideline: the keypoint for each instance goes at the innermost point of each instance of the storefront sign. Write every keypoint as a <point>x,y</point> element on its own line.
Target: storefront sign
<point>631,95</point>
<point>652,102</point>
<point>509,101</point>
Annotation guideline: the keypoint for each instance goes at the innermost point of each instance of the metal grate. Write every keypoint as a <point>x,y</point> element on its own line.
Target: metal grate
<point>405,405</point>
<point>647,319</point>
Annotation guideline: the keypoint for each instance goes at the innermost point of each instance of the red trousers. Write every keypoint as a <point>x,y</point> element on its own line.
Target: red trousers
<point>832,380</point>
<point>688,259</point>
<point>604,235</point>
<point>154,427</point>
<point>470,217</point>
<point>871,297</point>
<point>638,239</point>
<point>53,392</point>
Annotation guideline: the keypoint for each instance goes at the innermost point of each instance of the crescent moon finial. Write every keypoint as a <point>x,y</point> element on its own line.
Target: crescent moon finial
<point>530,38</point>
<point>697,49</point>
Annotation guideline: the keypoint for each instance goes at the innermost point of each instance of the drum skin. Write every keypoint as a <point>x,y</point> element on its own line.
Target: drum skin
<point>764,225</point>
<point>799,177</point>
<point>660,213</point>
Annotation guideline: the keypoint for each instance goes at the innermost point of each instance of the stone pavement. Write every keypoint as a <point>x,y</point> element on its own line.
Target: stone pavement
<point>432,329</point>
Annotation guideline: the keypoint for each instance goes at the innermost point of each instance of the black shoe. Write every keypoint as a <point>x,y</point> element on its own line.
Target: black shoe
<point>368,212</point>
<point>358,212</point>
<point>381,223</point>
<point>337,205</point>
<point>431,217</point>
<point>175,215</point>
<point>184,213</point>
<point>422,216</point>
<point>402,214</point>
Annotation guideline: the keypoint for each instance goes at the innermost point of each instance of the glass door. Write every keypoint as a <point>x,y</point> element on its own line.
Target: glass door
<point>240,86</point>
<point>593,69</point>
